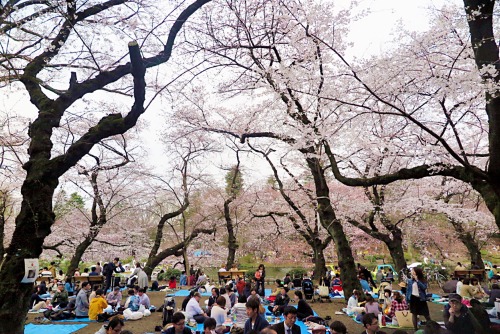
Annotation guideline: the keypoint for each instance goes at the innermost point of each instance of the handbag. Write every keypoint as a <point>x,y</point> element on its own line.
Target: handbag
<point>404,319</point>
<point>323,290</point>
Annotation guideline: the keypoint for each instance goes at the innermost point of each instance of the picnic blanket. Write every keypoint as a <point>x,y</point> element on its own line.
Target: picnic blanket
<point>75,320</point>
<point>52,329</point>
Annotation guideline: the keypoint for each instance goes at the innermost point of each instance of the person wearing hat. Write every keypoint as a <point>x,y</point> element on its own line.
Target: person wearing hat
<point>457,317</point>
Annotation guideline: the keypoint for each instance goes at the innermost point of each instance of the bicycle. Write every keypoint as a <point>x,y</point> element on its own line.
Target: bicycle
<point>433,275</point>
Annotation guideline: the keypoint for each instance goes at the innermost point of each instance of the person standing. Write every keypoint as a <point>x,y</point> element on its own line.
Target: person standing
<point>260,275</point>
<point>82,301</point>
<point>416,295</point>
<point>288,326</point>
<point>98,268</point>
<point>142,277</point>
<point>109,269</point>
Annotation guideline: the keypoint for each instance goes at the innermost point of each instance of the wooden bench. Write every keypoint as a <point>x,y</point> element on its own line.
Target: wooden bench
<point>479,273</point>
<point>42,279</point>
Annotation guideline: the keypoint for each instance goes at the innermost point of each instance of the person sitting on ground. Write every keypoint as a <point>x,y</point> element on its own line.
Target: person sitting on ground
<point>132,301</point>
<point>212,300</point>
<point>481,315</point>
<point>280,303</point>
<point>60,276</point>
<point>371,305</point>
<point>364,283</point>
<point>398,304</point>
<point>254,294</point>
<point>202,279</point>
<point>60,298</point>
<point>431,327</point>
<point>239,311</point>
<point>219,313</point>
<point>247,291</point>
<point>69,287</point>
<point>186,300</point>
<point>114,298</point>
<point>367,274</point>
<point>288,326</point>
<point>371,325</point>
<point>255,321</point>
<point>114,326</point>
<point>386,301</point>
<point>478,290</point>
<point>97,304</point>
<point>240,286</point>
<point>230,296</point>
<point>183,279</point>
<point>209,326</point>
<point>303,308</point>
<point>144,299</point>
<point>93,271</point>
<point>460,267</point>
<point>338,327</point>
<point>467,291</point>
<point>493,294</point>
<point>457,318</point>
<point>82,301</point>
<point>353,304</point>
<point>278,288</point>
<point>36,302</point>
<point>193,309</point>
<point>179,325</point>
<point>172,283</point>
<point>287,281</point>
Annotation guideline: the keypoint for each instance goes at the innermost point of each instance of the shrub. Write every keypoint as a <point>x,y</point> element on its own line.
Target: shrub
<point>169,273</point>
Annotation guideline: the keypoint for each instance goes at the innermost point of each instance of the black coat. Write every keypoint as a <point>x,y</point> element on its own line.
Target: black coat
<point>280,328</point>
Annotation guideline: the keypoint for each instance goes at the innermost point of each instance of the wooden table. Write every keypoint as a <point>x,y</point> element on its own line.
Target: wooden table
<point>224,275</point>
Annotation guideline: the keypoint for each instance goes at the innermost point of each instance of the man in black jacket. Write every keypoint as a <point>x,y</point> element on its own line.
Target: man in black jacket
<point>280,302</point>
<point>288,326</point>
<point>109,269</point>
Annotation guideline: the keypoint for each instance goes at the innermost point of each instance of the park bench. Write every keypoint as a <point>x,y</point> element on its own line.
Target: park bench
<point>479,273</point>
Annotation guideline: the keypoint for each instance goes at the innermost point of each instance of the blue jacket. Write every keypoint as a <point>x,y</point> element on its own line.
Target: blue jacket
<point>421,290</point>
<point>260,324</point>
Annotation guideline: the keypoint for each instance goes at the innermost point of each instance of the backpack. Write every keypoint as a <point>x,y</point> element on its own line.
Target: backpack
<point>168,310</point>
<point>105,269</point>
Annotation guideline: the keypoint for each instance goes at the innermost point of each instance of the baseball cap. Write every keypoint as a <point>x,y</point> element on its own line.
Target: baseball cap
<point>455,297</point>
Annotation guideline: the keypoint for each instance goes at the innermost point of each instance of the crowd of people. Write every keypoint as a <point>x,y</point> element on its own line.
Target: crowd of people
<point>243,301</point>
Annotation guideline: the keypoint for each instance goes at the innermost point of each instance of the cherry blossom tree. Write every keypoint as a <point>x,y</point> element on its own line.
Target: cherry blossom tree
<point>41,41</point>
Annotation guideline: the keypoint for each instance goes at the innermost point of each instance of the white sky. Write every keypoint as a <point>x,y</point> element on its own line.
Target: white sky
<point>370,36</point>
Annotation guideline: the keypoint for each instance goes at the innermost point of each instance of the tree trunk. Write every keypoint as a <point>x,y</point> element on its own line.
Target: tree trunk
<point>232,244</point>
<point>395,247</point>
<point>32,227</point>
<point>473,248</point>
<point>329,221</point>
<point>77,256</point>
<point>319,261</point>
<point>186,260</point>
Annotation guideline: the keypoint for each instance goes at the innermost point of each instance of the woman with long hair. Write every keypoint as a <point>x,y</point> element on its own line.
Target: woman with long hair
<point>416,295</point>
<point>260,275</point>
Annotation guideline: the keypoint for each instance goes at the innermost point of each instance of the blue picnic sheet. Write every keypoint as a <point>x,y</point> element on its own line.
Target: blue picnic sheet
<point>52,329</point>
<point>75,320</point>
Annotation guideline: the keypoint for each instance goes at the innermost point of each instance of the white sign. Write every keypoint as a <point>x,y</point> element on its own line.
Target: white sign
<point>30,270</point>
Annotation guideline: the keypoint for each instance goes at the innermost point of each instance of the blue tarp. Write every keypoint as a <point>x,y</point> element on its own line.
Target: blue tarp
<point>52,329</point>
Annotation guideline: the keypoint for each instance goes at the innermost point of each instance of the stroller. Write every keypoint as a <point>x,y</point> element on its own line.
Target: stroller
<point>308,289</point>
<point>168,310</point>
